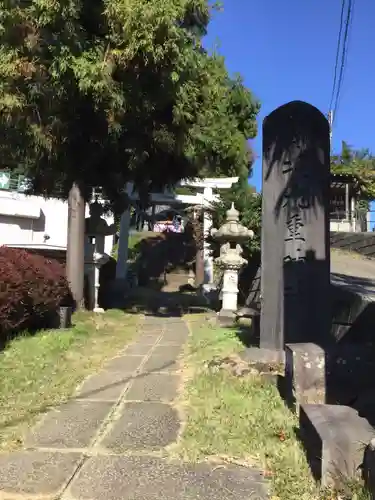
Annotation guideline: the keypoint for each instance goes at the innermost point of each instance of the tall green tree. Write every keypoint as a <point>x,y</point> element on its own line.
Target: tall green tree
<point>100,92</point>
<point>358,164</point>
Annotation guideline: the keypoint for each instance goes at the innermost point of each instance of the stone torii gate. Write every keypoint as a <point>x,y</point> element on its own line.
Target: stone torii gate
<point>203,199</point>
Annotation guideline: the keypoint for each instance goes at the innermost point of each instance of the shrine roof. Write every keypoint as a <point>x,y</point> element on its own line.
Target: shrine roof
<point>344,178</point>
<point>341,180</point>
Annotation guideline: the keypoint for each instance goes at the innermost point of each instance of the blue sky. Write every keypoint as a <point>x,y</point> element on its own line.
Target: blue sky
<point>286,51</point>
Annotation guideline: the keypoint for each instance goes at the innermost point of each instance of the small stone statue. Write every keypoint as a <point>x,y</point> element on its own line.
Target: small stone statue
<point>224,249</point>
<point>239,250</point>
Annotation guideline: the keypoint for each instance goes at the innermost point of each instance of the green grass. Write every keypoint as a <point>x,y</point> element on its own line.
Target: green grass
<point>134,239</point>
<point>242,419</point>
<point>40,371</point>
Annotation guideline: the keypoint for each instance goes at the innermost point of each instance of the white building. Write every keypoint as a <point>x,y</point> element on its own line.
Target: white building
<point>34,222</point>
<point>344,214</point>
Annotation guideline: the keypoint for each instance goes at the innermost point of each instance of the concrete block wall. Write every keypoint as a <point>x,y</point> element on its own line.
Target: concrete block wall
<point>362,243</point>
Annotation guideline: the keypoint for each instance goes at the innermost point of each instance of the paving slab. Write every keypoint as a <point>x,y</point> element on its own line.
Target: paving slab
<point>71,425</point>
<point>178,335</point>
<point>160,364</point>
<point>143,426</point>
<point>154,387</point>
<point>152,328</point>
<point>138,349</point>
<point>171,342</point>
<point>177,328</point>
<point>171,352</point>
<point>126,363</point>
<point>173,319</point>
<point>36,473</point>
<point>147,478</point>
<point>148,339</point>
<point>163,359</point>
<point>153,320</point>
<point>104,386</point>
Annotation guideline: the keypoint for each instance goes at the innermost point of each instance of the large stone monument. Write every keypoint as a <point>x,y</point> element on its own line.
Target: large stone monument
<point>295,272</point>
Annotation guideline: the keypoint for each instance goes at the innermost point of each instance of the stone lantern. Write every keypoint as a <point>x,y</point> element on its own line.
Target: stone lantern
<point>96,229</point>
<point>230,235</point>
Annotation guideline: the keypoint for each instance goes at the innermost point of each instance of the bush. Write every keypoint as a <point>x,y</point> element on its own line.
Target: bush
<point>31,290</point>
<point>162,252</point>
<point>133,244</point>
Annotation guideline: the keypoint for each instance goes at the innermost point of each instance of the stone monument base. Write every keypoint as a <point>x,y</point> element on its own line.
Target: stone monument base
<point>226,318</point>
<point>305,378</point>
<point>334,438</point>
<point>98,310</point>
<point>118,292</point>
<point>369,467</point>
<point>262,355</point>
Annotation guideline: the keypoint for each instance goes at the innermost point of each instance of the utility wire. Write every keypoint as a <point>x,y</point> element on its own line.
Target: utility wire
<point>348,22</point>
<point>337,53</point>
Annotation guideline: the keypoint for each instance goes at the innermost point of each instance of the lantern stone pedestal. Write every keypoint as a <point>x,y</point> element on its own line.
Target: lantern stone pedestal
<point>99,260</point>
<point>93,264</point>
<point>227,313</point>
<point>96,230</point>
<point>230,234</point>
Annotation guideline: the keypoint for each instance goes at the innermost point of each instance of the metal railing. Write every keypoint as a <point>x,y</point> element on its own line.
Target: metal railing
<point>13,182</point>
<point>19,183</point>
<point>356,221</point>
<point>340,215</point>
<point>370,222</point>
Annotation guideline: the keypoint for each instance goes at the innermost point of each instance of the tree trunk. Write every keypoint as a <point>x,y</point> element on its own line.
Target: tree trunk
<point>199,268</point>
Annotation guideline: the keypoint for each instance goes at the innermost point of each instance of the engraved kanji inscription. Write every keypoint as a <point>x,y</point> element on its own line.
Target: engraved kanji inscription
<point>287,167</point>
<point>297,197</point>
<point>300,256</point>
<point>294,228</point>
<point>295,239</point>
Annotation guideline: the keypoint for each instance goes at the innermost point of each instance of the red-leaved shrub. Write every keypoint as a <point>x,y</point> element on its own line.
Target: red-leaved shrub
<point>31,290</point>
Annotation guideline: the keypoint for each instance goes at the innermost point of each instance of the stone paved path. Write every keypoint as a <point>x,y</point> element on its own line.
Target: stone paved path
<point>108,442</point>
<point>352,264</point>
<point>354,271</point>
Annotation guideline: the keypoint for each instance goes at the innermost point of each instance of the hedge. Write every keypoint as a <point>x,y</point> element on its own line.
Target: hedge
<point>32,288</point>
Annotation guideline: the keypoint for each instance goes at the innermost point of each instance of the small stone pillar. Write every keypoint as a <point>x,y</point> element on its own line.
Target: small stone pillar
<point>230,234</point>
<point>207,226</point>
<point>99,260</point>
<point>96,230</point>
<point>123,246</point>
<point>123,242</point>
<point>305,377</point>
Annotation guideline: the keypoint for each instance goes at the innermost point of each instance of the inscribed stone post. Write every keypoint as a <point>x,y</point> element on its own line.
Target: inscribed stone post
<point>295,277</point>
<point>75,259</point>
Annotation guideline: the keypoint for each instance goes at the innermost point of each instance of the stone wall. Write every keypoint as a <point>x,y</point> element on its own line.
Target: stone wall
<point>363,243</point>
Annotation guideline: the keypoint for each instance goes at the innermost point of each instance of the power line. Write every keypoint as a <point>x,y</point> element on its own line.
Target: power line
<point>337,52</point>
<point>348,22</point>
<point>345,52</point>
